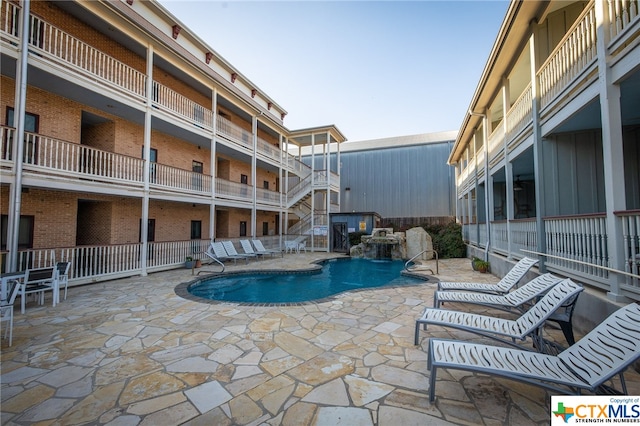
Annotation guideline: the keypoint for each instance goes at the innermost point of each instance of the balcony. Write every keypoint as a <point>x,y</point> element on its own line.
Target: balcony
<point>70,53</point>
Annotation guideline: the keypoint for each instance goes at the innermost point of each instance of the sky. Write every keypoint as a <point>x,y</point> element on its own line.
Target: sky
<point>374,69</point>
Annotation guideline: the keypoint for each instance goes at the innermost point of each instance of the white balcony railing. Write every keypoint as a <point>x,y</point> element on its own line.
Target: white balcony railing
<point>500,237</point>
<point>53,42</point>
<point>172,177</point>
<point>235,190</point>
<point>10,19</point>
<point>520,114</point>
<point>582,238</point>
<point>265,196</point>
<point>268,150</point>
<point>621,14</point>
<point>183,107</point>
<point>572,55</point>
<point>56,156</point>
<point>234,133</point>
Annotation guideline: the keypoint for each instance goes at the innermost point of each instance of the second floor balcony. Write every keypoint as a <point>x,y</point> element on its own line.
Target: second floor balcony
<point>50,158</point>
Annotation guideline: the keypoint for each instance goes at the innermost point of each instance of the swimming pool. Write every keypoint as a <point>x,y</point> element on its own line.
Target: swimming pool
<point>336,276</point>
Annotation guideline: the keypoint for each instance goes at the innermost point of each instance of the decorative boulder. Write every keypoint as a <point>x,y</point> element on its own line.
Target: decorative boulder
<point>418,240</point>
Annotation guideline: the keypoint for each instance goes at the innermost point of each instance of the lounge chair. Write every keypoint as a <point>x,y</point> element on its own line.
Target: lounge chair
<point>261,250</point>
<point>214,259</point>
<point>603,353</point>
<point>6,308</point>
<point>501,329</point>
<point>513,301</point>
<point>503,286</point>
<point>231,251</point>
<point>221,254</point>
<point>247,248</point>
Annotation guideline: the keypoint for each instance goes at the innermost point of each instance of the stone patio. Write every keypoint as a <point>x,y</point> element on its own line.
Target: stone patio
<point>132,352</point>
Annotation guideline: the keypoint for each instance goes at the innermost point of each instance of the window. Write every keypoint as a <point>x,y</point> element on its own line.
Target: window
<point>151,230</point>
<point>196,229</point>
<point>153,159</point>
<point>196,178</point>
<point>265,228</point>
<point>25,232</point>
<point>31,124</point>
<point>265,184</point>
<point>244,179</point>
<point>243,229</point>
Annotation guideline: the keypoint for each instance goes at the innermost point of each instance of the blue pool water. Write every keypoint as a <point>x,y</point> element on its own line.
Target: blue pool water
<point>336,276</point>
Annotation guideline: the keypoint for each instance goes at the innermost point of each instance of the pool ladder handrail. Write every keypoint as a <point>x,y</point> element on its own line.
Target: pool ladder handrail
<point>212,272</point>
<point>406,265</point>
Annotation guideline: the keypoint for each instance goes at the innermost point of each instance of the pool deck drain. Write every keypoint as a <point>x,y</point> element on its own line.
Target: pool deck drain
<point>132,352</point>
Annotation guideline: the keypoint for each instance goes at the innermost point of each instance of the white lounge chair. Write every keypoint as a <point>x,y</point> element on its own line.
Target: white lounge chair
<point>221,254</point>
<point>603,353</point>
<point>503,286</point>
<point>231,251</point>
<point>501,329</point>
<point>261,250</point>
<point>513,301</point>
<point>247,248</point>
<point>6,308</point>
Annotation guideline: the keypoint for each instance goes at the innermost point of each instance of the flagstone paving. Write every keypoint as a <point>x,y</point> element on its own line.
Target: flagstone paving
<point>132,352</point>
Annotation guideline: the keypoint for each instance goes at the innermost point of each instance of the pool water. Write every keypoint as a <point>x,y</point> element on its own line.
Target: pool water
<point>336,276</point>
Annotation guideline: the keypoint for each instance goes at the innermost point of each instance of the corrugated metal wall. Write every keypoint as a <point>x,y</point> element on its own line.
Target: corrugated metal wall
<point>405,181</point>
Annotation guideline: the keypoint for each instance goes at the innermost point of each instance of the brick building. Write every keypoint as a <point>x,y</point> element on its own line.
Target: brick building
<point>141,144</point>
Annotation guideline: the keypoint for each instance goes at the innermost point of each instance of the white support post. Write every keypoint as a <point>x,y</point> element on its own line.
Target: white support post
<point>612,154</point>
<point>15,195</point>
<point>537,151</point>
<point>144,225</point>
<point>254,171</point>
<point>214,166</point>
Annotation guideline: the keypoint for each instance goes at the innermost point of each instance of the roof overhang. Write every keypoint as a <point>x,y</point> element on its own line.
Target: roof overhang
<point>513,36</point>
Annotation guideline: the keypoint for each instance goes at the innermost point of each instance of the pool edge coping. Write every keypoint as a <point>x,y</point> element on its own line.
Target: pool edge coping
<point>181,289</point>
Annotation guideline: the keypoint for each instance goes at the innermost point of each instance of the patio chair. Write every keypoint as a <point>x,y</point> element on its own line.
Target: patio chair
<point>231,251</point>
<point>37,281</point>
<point>603,353</point>
<point>221,254</point>
<point>503,286</point>
<point>261,250</point>
<point>247,248</point>
<point>510,302</point>
<point>63,276</point>
<point>296,244</point>
<point>501,329</point>
<point>6,309</point>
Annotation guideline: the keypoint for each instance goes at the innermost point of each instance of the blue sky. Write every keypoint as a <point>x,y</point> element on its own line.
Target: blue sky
<point>375,69</point>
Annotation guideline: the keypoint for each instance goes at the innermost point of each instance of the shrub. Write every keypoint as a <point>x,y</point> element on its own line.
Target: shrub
<point>447,240</point>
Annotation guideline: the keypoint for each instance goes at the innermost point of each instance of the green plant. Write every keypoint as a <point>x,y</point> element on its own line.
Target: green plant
<point>447,240</point>
<point>474,262</point>
<point>482,265</point>
<point>188,259</point>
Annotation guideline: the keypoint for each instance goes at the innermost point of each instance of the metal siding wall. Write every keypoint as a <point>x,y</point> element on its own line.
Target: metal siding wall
<point>408,181</point>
